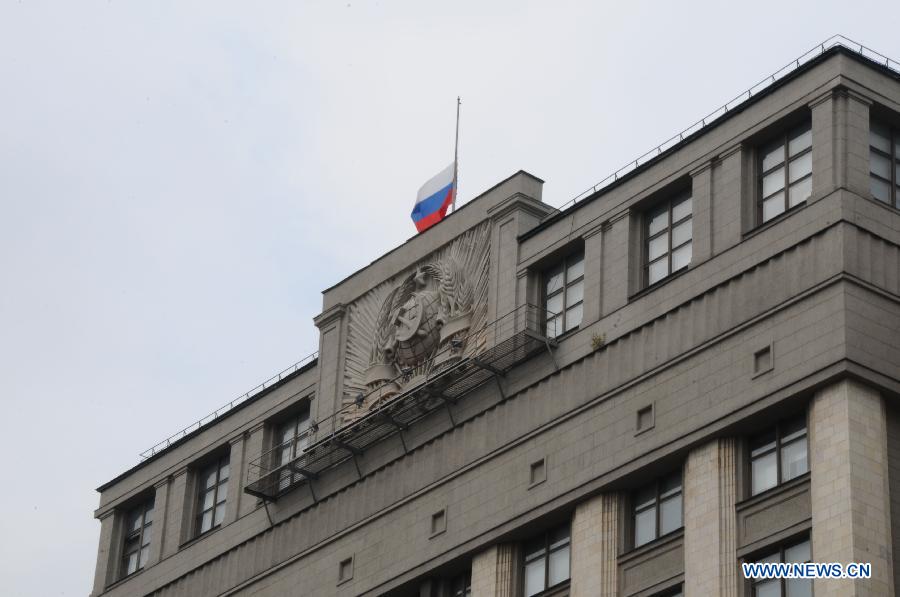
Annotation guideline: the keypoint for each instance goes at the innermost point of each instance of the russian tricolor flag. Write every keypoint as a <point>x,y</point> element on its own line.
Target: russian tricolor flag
<point>434,198</point>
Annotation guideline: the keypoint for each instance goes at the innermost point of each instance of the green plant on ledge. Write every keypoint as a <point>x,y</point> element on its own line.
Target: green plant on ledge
<point>597,341</point>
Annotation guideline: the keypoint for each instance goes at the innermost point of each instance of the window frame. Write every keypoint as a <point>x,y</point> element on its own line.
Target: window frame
<point>302,424</point>
<point>893,158</point>
<point>217,463</point>
<point>136,537</point>
<point>670,203</point>
<point>545,553</point>
<point>780,551</point>
<point>566,262</point>
<point>461,585</point>
<point>659,498</point>
<point>777,450</point>
<point>761,173</point>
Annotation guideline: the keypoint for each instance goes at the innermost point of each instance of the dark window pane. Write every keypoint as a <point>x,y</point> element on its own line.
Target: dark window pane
<point>220,515</point>
<point>762,443</point>
<point>880,165</point>
<point>658,270</point>
<point>773,182</point>
<point>797,587</point>
<point>209,477</point>
<point>559,566</point>
<point>767,588</point>
<point>797,553</point>
<point>800,140</point>
<point>799,192</point>
<point>793,459</point>
<point>208,497</point>
<point>772,155</point>
<point>681,257</point>
<point>575,293</point>
<point>534,577</point>
<point>682,233</point>
<point>800,167</point>
<point>559,537</point>
<point>773,206</point>
<point>206,522</point>
<point>793,429</point>
<point>645,498</point>
<point>576,269</point>
<point>670,514</point>
<point>554,279</point>
<point>658,220</point>
<point>573,316</point>
<point>681,210</point>
<point>763,473</point>
<point>554,326</point>
<point>670,485</point>
<point>881,190</point>
<point>132,563</point>
<point>535,548</point>
<point>644,527</point>
<point>658,246</point>
<point>880,137</point>
<point>555,304</point>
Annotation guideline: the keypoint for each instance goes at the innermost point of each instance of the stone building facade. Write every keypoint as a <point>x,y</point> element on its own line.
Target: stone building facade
<point>694,367</point>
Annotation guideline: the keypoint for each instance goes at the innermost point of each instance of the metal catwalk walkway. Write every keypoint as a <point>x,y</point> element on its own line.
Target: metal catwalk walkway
<point>512,339</point>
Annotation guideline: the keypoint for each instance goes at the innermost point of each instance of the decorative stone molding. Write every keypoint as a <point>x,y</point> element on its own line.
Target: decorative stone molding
<point>417,323</point>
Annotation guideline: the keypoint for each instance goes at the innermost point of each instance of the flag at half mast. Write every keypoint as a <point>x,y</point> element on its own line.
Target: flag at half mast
<point>434,198</point>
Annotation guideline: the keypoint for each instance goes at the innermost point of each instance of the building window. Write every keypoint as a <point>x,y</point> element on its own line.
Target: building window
<point>461,586</point>
<point>785,172</point>
<point>884,163</point>
<point>138,526</point>
<point>785,587</point>
<point>213,493</point>
<point>564,295</point>
<point>778,456</point>
<point>547,561</point>
<point>669,231</point>
<point>293,437</point>
<point>657,509</point>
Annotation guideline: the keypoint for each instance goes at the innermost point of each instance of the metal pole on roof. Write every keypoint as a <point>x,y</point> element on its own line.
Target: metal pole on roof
<point>456,156</point>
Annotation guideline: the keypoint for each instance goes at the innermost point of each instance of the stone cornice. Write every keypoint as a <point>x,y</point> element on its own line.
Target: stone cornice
<point>329,315</point>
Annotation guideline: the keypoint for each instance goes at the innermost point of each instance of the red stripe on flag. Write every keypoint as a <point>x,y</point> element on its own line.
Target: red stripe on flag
<point>433,218</point>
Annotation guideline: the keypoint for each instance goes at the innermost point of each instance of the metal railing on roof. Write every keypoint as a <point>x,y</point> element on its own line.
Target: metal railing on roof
<point>227,407</point>
<point>835,40</point>
<point>510,340</point>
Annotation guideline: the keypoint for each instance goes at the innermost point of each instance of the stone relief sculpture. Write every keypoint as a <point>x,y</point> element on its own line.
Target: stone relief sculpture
<point>419,322</point>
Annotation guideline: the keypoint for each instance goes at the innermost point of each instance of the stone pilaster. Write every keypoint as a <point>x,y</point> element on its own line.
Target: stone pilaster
<point>595,540</point>
<point>702,221</point>
<point>840,143</point>
<point>329,395</point>
<point>593,275</point>
<point>236,466</point>
<point>160,510</point>
<point>106,554</point>
<point>495,572</point>
<point>849,487</point>
<point>710,543</point>
<point>178,514</point>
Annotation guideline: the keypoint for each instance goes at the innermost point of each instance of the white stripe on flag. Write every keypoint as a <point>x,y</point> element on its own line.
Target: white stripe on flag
<point>438,182</point>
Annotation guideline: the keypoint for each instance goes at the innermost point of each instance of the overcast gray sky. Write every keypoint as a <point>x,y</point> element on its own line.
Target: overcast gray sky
<point>180,180</point>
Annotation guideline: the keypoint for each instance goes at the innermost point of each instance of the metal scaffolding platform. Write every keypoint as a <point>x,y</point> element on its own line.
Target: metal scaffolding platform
<point>511,339</point>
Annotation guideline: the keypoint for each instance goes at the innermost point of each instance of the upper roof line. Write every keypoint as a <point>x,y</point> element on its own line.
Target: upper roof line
<point>832,43</point>
<point>447,217</point>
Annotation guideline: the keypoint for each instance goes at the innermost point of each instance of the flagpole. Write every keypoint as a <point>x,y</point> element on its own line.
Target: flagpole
<point>456,157</point>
